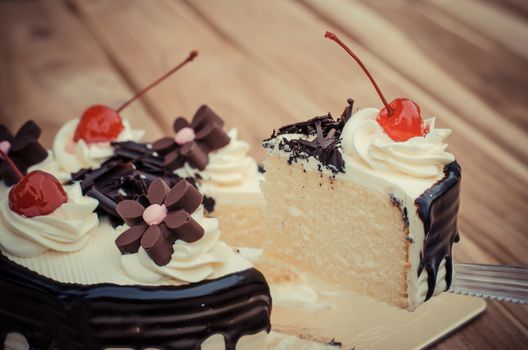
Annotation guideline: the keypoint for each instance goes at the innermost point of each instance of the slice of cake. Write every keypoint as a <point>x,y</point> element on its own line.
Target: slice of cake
<point>71,280</point>
<point>219,163</point>
<point>368,202</point>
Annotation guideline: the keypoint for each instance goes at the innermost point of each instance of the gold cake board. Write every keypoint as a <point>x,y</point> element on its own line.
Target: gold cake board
<point>361,323</point>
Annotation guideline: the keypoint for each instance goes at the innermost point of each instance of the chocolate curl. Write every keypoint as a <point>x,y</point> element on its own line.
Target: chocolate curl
<point>129,241</point>
<point>205,115</point>
<point>105,203</point>
<point>157,191</point>
<point>183,196</point>
<point>213,136</point>
<point>184,226</point>
<point>130,211</point>
<point>195,154</point>
<point>156,245</point>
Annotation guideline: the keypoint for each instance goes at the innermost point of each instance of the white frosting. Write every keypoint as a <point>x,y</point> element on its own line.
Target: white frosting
<point>101,262</point>
<point>50,165</point>
<point>190,262</point>
<point>420,156</point>
<point>65,230</point>
<point>382,165</point>
<point>73,156</point>
<point>15,341</point>
<point>231,175</point>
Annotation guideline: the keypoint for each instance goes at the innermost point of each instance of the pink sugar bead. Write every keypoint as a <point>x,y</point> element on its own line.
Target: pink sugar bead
<point>184,136</point>
<point>5,146</point>
<point>155,214</point>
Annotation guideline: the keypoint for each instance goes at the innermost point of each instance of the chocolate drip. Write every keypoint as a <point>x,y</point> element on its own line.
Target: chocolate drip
<point>438,208</point>
<point>53,315</point>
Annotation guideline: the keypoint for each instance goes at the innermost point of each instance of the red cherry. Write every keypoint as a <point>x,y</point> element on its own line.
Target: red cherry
<point>400,119</point>
<point>103,124</point>
<point>405,121</point>
<point>98,124</point>
<point>37,193</point>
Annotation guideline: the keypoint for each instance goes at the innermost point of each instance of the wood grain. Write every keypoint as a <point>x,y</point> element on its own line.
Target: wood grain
<point>264,64</point>
<point>51,69</point>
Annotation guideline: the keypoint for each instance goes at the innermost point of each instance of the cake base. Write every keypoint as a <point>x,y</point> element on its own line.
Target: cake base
<point>241,226</point>
<point>53,315</point>
<point>345,234</point>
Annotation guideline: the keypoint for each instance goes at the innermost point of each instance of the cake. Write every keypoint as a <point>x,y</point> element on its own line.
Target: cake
<point>163,280</point>
<point>367,202</point>
<point>103,247</point>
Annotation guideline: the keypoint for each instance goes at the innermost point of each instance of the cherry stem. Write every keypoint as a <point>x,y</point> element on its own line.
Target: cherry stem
<point>12,165</point>
<point>191,57</point>
<point>334,37</point>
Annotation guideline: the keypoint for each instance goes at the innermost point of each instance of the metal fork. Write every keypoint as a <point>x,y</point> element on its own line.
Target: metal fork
<point>496,282</point>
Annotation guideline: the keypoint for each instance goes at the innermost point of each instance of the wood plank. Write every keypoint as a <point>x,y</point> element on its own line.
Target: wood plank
<point>222,77</point>
<point>507,28</point>
<point>51,69</point>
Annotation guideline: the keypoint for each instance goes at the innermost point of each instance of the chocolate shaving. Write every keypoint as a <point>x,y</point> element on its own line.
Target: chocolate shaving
<point>325,147</point>
<point>23,149</point>
<point>125,176</point>
<point>209,204</point>
<point>157,238</point>
<point>209,136</point>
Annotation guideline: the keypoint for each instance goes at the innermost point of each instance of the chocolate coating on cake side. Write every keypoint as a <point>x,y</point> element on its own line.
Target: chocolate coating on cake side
<point>438,208</point>
<point>325,147</point>
<point>53,315</point>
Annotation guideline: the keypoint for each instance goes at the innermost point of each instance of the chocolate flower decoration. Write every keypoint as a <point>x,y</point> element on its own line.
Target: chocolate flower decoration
<point>193,141</point>
<point>23,149</point>
<point>166,219</point>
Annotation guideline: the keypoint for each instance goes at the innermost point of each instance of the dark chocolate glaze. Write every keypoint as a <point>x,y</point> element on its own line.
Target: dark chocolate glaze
<point>53,315</point>
<point>438,208</point>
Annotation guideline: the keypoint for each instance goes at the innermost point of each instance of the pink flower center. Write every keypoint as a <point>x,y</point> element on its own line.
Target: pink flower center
<point>5,146</point>
<point>184,136</point>
<point>155,214</point>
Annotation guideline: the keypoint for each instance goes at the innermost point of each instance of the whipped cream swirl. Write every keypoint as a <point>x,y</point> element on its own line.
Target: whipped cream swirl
<point>228,166</point>
<point>50,165</point>
<point>190,262</point>
<point>420,156</point>
<point>65,230</point>
<point>73,156</point>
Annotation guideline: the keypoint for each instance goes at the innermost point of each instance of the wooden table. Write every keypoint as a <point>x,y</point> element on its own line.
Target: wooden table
<point>265,63</point>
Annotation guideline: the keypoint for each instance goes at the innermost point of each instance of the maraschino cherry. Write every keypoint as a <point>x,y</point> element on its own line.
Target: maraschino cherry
<point>103,124</point>
<point>37,193</point>
<point>400,119</point>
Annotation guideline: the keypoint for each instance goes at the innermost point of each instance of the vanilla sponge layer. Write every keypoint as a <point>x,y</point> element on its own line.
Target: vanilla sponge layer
<point>241,225</point>
<point>344,233</point>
